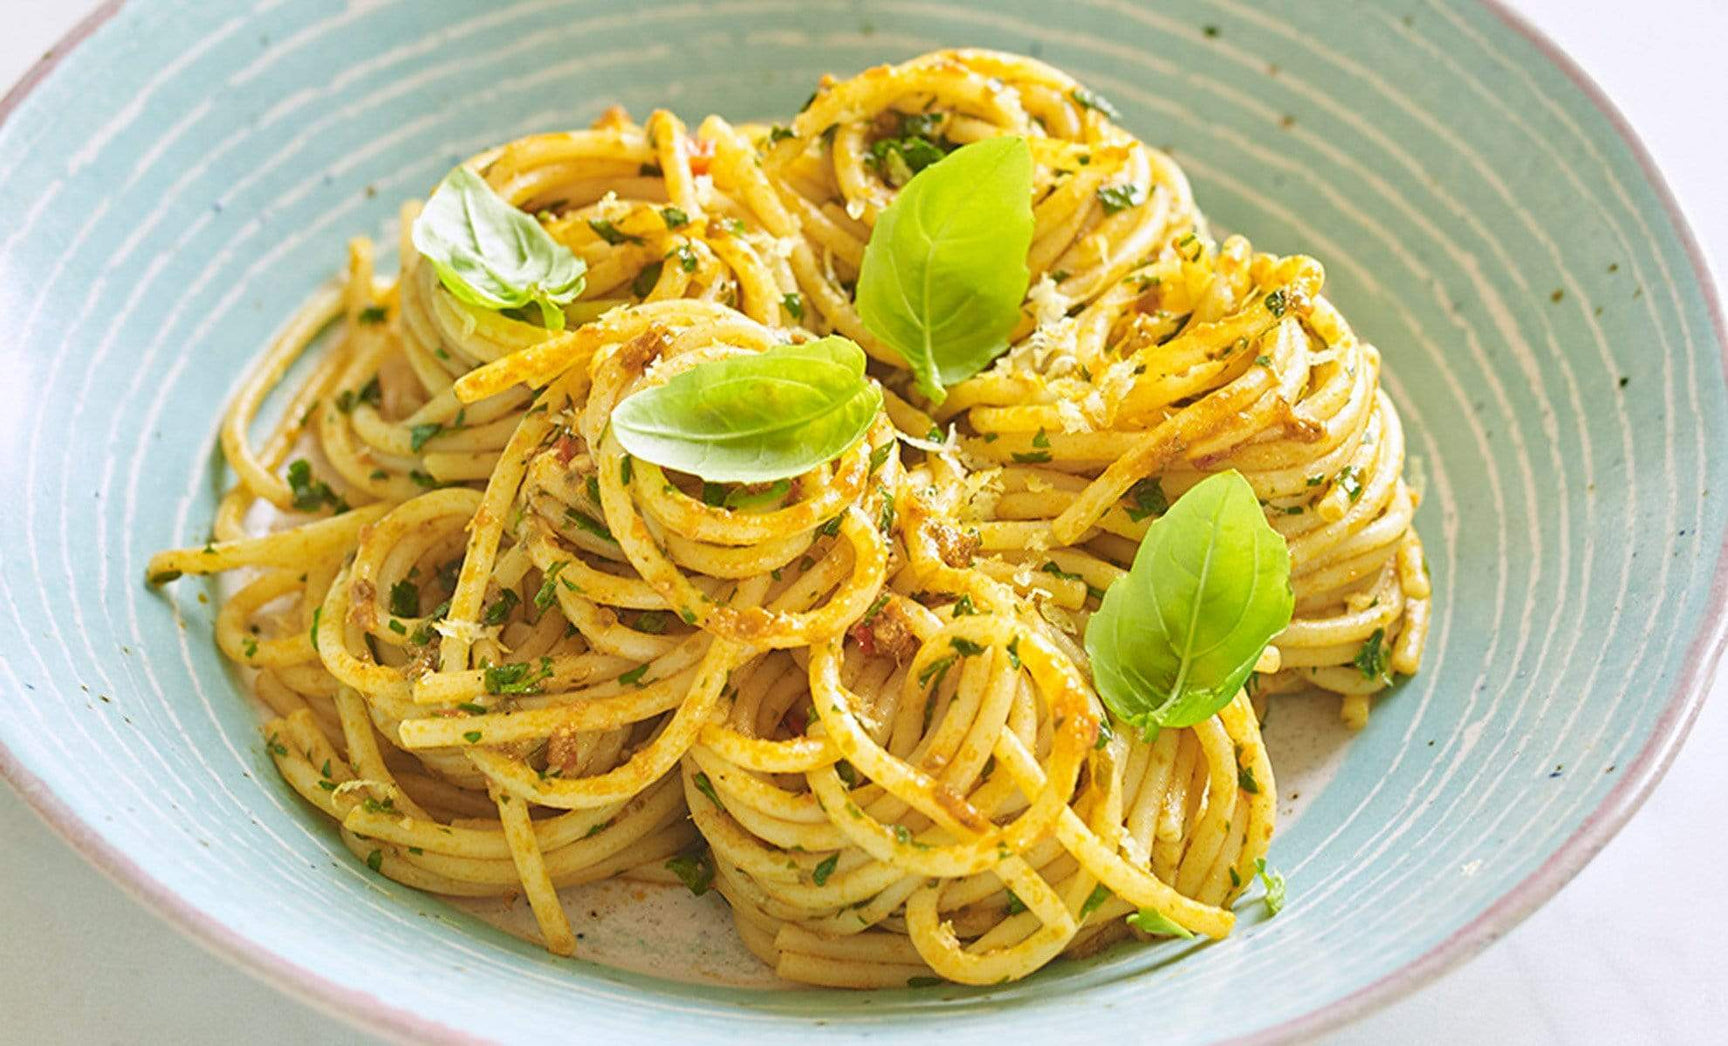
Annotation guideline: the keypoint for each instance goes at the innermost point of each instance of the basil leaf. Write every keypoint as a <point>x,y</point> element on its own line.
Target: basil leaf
<point>1177,637</point>
<point>490,254</point>
<point>754,419</point>
<point>945,269</point>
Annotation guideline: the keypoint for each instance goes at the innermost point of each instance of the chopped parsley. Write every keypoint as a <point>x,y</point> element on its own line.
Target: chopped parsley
<point>685,255</point>
<point>793,303</point>
<point>1274,886</point>
<point>643,284</point>
<point>1153,921</point>
<point>931,675</point>
<point>1371,659</point>
<point>610,233</point>
<point>419,434</point>
<point>1089,99</point>
<point>1094,900</point>
<point>916,147</point>
<point>548,585</point>
<point>965,647</point>
<point>1245,780</point>
<point>1116,198</point>
<point>590,524</point>
<point>499,612</point>
<point>706,787</point>
<point>1146,498</point>
<point>674,218</point>
<point>516,677</point>
<point>1050,567</point>
<point>370,393</point>
<point>822,871</point>
<point>405,599</point>
<point>694,870</point>
<point>310,495</point>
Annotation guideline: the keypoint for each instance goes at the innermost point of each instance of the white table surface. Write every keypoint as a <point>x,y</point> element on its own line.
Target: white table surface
<point>1635,950</point>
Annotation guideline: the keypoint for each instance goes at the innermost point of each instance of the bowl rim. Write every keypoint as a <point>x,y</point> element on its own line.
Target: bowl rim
<point>368,1012</point>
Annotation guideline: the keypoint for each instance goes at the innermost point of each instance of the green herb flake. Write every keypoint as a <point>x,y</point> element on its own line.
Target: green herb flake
<point>1153,921</point>
<point>643,284</point>
<point>515,677</point>
<point>932,674</point>
<point>1116,198</point>
<point>819,875</point>
<point>684,255</point>
<point>419,434</point>
<point>1146,498</point>
<point>610,233</point>
<point>588,523</point>
<point>1371,659</point>
<point>1094,900</point>
<point>500,611</point>
<point>1245,780</point>
<point>1274,882</point>
<point>311,495</point>
<point>548,593</point>
<point>1088,99</point>
<point>694,870</point>
<point>405,599</point>
<point>706,787</point>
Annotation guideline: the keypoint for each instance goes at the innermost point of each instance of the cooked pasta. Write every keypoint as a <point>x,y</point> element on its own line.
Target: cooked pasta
<point>507,655</point>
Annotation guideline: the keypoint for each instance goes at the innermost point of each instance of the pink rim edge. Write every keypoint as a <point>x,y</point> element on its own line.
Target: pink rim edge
<point>372,1014</point>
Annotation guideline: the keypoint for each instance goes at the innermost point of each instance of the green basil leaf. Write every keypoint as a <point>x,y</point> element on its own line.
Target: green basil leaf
<point>490,254</point>
<point>1153,921</point>
<point>754,419</point>
<point>945,269</point>
<point>1176,638</point>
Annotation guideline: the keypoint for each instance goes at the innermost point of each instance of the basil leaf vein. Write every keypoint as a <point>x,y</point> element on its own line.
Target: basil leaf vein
<point>1175,639</point>
<point>490,254</point>
<point>757,418</point>
<point>945,269</point>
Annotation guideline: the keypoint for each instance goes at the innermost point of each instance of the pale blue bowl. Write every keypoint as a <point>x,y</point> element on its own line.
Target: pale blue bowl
<point>177,175</point>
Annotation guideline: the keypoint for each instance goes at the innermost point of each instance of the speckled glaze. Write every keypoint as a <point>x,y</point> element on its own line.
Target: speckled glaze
<point>173,184</point>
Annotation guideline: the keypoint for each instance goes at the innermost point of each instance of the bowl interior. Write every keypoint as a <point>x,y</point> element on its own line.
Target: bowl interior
<point>181,180</point>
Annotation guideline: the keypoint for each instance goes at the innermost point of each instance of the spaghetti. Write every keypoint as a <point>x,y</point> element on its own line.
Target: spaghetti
<point>506,656</point>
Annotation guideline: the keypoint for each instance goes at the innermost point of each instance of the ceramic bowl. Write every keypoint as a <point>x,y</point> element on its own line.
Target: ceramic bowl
<point>179,175</point>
